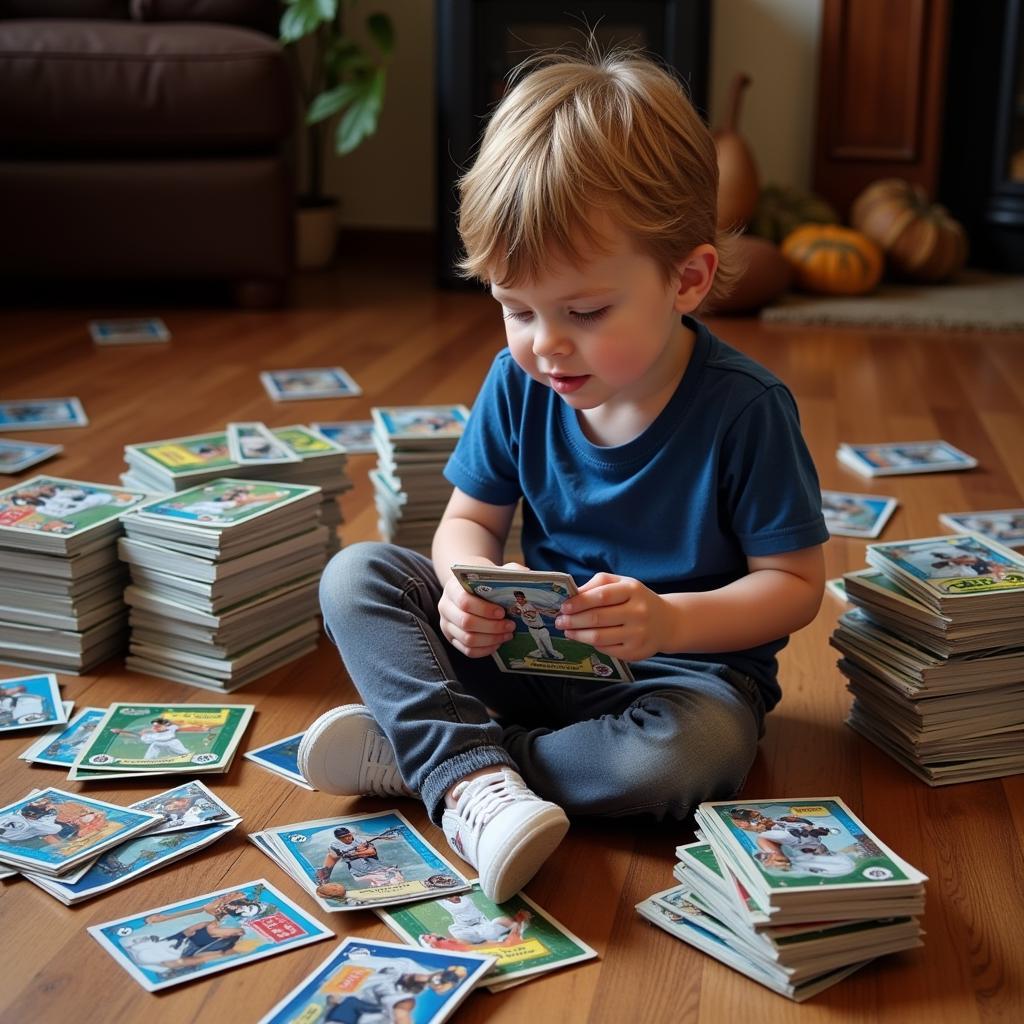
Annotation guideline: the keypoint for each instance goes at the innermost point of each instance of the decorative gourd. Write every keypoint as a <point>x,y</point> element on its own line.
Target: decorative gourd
<point>737,172</point>
<point>766,275</point>
<point>833,260</point>
<point>920,239</point>
<point>782,209</point>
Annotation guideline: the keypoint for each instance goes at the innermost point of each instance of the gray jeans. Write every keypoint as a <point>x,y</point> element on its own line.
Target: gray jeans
<point>683,732</point>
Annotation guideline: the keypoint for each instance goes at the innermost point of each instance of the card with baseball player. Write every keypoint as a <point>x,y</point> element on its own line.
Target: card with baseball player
<point>188,806</point>
<point>358,861</point>
<point>365,981</point>
<point>309,382</point>
<point>524,939</point>
<point>252,444</point>
<point>29,702</point>
<point>18,455</point>
<point>202,935</point>
<point>532,600</point>
<point>145,739</point>
<point>61,744</point>
<point>856,515</point>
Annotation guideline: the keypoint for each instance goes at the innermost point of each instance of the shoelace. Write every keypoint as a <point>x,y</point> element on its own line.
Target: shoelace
<point>380,773</point>
<point>477,806</point>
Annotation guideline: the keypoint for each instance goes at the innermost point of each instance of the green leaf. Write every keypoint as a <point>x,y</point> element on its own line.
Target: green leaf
<point>382,32</point>
<point>330,102</point>
<point>305,16</point>
<point>360,120</point>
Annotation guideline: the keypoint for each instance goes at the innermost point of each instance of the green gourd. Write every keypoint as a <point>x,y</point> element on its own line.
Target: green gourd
<point>781,209</point>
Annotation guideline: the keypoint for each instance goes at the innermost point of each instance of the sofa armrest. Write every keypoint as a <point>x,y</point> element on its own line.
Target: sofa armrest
<point>263,15</point>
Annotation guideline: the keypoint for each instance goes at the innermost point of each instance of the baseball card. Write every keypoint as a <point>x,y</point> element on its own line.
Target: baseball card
<point>523,939</point>
<point>306,442</point>
<point>366,980</point>
<point>130,860</point>
<point>183,457</point>
<point>359,861</point>
<point>316,382</point>
<point>224,502</point>
<point>29,702</point>
<point>1004,525</point>
<point>42,414</point>
<point>532,601</point>
<point>59,745</point>
<point>52,831</point>
<point>837,588</point>
<point>138,331</point>
<point>18,455</point>
<point>282,758</point>
<point>399,423</point>
<point>252,444</point>
<point>904,457</point>
<point>355,436</point>
<point>188,806</point>
<point>49,505</point>
<point>200,936</point>
<point>144,738</point>
<point>856,515</point>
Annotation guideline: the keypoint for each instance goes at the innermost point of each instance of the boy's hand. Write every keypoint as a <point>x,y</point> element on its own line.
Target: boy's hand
<point>474,626</point>
<point>619,616</point>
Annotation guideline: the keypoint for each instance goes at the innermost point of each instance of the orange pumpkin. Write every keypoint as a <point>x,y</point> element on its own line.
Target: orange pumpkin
<point>920,239</point>
<point>833,260</point>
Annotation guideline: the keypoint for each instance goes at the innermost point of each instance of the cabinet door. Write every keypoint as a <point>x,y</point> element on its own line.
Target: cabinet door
<point>881,86</point>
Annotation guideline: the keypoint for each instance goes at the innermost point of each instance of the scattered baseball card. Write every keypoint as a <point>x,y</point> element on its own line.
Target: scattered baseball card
<point>358,861</point>
<point>904,457</point>
<point>1004,526</point>
<point>399,423</point>
<point>837,588</point>
<point>188,806</point>
<point>143,331</point>
<point>366,980</point>
<point>523,939</point>
<point>200,936</point>
<point>532,600</point>
<point>282,758</point>
<point>42,414</point>
<point>130,860</point>
<point>252,444</point>
<point>856,515</point>
<point>318,382</point>
<point>29,702</point>
<point>355,436</point>
<point>51,831</point>
<point>61,745</point>
<point>18,455</point>
<point>151,738</point>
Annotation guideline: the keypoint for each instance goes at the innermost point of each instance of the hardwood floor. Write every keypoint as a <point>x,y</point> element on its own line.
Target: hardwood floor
<point>406,343</point>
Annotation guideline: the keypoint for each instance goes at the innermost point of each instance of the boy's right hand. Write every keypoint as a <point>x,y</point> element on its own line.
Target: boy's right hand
<point>472,625</point>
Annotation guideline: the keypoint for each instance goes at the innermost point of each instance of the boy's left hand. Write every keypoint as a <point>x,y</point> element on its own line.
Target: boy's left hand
<point>619,616</point>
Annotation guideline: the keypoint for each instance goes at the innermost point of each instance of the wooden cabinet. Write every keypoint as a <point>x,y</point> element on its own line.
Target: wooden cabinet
<point>881,90</point>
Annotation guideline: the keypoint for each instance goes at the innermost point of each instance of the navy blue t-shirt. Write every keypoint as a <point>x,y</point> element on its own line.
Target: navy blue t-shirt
<point>722,473</point>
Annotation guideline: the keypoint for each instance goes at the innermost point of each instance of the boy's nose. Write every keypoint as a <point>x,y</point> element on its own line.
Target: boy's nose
<point>549,341</point>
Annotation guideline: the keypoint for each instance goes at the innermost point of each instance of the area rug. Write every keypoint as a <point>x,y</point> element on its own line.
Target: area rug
<point>974,301</point>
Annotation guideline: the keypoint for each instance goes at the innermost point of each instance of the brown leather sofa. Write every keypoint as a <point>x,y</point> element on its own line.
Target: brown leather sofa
<point>146,139</point>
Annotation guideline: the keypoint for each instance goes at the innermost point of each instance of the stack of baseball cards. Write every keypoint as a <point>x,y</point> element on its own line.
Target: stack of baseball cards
<point>795,894</point>
<point>933,654</point>
<point>296,454</point>
<point>360,861</point>
<point>224,580</point>
<point>138,740</point>
<point>902,457</point>
<point>61,584</point>
<point>191,818</point>
<point>413,444</point>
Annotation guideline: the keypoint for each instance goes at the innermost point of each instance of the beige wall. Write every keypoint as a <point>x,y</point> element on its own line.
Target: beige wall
<point>389,181</point>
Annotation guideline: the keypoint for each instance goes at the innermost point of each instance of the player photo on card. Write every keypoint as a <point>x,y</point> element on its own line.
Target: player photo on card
<point>42,414</point>
<point>1005,526</point>
<point>532,601</point>
<point>190,805</point>
<point>142,331</point>
<point>315,382</point>
<point>54,506</point>
<point>904,457</point>
<point>856,515</point>
<point>29,702</point>
<point>224,502</point>
<point>355,436</point>
<point>252,444</point>
<point>18,455</point>
<point>417,422</point>
<point>205,934</point>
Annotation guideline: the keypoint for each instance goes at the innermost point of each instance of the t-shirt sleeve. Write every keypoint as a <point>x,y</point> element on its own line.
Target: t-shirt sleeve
<point>770,486</point>
<point>484,464</point>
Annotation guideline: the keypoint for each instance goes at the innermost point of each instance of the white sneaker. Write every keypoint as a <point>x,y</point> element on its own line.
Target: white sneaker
<point>503,829</point>
<point>344,752</point>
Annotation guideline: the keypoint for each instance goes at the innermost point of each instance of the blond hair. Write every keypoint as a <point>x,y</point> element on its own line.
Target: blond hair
<point>584,134</point>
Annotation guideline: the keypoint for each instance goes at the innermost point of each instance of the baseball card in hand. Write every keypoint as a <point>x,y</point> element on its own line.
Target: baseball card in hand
<point>532,600</point>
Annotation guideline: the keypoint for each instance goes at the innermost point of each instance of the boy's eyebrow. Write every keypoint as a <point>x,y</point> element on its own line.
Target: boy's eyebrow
<point>590,293</point>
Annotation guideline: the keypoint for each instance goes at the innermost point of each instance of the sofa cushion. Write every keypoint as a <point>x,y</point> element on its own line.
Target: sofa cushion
<point>107,87</point>
<point>65,8</point>
<point>262,14</point>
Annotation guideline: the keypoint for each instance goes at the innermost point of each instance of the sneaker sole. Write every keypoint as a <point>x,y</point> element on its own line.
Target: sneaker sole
<point>527,849</point>
<point>310,764</point>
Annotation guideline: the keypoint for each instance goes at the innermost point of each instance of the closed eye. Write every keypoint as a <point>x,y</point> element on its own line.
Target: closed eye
<point>521,315</point>
<point>590,316</point>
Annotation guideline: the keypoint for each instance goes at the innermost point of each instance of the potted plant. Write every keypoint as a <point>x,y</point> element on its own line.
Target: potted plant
<point>341,82</point>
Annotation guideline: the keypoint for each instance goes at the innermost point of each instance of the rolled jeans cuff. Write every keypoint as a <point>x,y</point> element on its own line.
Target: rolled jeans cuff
<point>447,773</point>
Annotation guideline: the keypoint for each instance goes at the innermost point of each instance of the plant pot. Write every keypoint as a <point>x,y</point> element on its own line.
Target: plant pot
<point>316,234</point>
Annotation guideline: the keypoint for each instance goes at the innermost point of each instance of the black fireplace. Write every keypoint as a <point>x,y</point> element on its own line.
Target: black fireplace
<point>983,150</point>
<point>480,41</point>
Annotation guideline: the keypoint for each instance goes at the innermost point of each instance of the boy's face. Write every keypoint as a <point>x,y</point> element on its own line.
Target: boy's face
<point>604,330</point>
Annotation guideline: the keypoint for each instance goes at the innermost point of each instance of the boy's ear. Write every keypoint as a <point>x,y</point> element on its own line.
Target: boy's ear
<point>694,275</point>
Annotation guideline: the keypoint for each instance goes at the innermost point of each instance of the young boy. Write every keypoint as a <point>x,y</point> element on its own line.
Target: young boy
<point>664,470</point>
